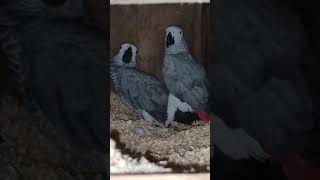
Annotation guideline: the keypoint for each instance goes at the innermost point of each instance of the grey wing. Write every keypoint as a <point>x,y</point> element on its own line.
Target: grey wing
<point>143,92</point>
<point>187,80</point>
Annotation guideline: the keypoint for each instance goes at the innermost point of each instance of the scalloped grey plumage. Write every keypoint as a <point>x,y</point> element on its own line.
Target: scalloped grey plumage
<point>183,76</point>
<point>140,91</point>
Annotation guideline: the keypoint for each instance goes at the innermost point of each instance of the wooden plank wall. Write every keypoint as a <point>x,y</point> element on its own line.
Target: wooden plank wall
<point>144,26</point>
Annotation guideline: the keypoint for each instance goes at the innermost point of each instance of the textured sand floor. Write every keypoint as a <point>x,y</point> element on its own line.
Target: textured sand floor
<point>184,147</point>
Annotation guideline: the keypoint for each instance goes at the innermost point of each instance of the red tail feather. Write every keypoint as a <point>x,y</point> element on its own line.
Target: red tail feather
<point>203,116</point>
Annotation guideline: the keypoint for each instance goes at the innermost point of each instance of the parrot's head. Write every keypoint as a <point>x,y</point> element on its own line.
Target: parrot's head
<point>174,40</point>
<point>126,56</point>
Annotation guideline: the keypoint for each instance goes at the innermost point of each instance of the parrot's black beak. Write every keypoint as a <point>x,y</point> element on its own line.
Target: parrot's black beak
<point>127,56</point>
<point>169,40</point>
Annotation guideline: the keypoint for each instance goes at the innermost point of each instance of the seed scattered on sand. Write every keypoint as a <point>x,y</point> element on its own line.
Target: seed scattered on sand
<point>167,144</point>
<point>138,131</point>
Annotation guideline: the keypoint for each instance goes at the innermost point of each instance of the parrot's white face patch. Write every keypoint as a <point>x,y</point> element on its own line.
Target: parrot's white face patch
<point>126,55</point>
<point>174,40</point>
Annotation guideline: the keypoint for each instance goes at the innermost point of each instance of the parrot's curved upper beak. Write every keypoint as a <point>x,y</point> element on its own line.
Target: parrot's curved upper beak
<point>169,40</point>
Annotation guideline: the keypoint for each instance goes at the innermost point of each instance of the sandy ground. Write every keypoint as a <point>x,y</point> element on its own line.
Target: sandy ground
<point>183,148</point>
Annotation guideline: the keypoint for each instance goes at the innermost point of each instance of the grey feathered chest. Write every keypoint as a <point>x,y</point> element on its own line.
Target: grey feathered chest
<point>186,79</point>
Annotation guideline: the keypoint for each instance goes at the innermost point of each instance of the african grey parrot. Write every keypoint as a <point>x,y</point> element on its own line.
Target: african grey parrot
<point>143,93</point>
<point>57,61</point>
<point>183,76</point>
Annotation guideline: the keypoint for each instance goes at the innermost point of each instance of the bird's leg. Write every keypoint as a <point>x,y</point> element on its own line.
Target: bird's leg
<point>171,109</point>
<point>182,106</point>
<point>170,116</point>
<point>173,104</point>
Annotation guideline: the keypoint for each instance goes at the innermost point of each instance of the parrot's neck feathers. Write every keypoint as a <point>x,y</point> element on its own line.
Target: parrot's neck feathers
<point>177,48</point>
